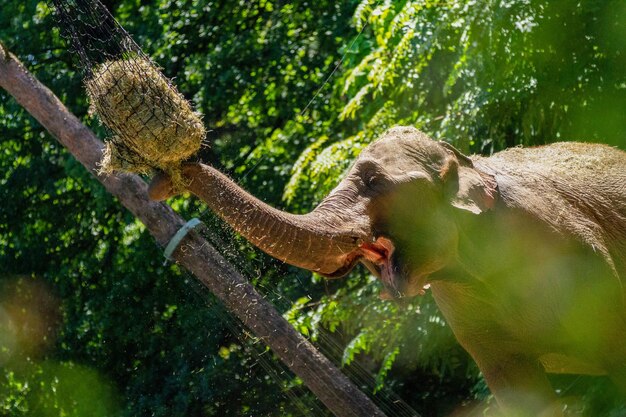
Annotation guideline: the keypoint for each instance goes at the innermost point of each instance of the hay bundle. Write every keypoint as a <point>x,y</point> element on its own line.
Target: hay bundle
<point>153,125</point>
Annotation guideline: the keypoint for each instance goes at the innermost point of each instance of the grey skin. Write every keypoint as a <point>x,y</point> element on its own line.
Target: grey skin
<point>524,251</point>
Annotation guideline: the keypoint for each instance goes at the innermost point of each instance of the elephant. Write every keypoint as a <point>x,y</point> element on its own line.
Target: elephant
<point>524,251</point>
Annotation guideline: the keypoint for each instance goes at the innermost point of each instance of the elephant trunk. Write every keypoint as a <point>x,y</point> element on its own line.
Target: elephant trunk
<point>317,241</point>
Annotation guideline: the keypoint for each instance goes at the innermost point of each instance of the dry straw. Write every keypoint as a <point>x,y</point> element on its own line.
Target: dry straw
<point>153,126</point>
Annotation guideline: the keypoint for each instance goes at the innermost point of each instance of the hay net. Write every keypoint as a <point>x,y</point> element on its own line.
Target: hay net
<point>151,124</point>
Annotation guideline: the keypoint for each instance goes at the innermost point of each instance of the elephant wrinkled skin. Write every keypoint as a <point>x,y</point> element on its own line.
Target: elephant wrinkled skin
<point>525,251</point>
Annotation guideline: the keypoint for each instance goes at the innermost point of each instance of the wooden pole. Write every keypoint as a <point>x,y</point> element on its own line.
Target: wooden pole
<point>327,382</point>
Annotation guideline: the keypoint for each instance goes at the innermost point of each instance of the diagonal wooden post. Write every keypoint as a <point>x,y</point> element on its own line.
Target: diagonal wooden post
<point>331,386</point>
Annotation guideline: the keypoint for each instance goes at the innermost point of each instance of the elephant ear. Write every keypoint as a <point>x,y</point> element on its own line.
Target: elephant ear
<point>468,188</point>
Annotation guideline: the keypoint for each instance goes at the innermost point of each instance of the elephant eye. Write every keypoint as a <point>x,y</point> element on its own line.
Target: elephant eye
<point>371,174</point>
<point>371,179</point>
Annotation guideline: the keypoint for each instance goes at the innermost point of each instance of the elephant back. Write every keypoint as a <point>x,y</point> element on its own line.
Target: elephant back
<point>578,189</point>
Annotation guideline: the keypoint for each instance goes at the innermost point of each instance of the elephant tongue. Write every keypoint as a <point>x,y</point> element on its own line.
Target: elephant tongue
<point>379,253</point>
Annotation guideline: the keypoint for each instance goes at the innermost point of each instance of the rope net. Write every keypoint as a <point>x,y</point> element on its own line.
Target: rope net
<point>151,124</point>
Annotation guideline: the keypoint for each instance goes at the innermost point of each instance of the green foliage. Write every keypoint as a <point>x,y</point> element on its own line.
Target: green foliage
<point>49,389</point>
<point>482,74</point>
<point>488,74</point>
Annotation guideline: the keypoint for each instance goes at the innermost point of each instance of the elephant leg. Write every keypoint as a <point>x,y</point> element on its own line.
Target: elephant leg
<point>517,380</point>
<point>519,384</point>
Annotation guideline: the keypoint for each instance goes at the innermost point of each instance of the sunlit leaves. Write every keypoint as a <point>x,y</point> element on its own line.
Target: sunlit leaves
<point>385,367</point>
<point>355,103</point>
<point>61,389</point>
<point>304,160</point>
<point>359,344</point>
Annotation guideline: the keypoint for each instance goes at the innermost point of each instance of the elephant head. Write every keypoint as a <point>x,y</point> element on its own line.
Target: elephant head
<point>392,212</point>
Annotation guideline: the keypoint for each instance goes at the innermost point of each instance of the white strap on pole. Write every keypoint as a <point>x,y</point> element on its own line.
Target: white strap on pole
<point>179,236</point>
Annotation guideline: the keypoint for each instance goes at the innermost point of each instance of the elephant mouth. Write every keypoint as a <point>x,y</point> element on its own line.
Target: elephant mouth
<point>382,260</point>
<point>378,257</point>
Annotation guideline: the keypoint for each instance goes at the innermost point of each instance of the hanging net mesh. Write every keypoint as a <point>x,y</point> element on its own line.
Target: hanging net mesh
<point>151,124</point>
